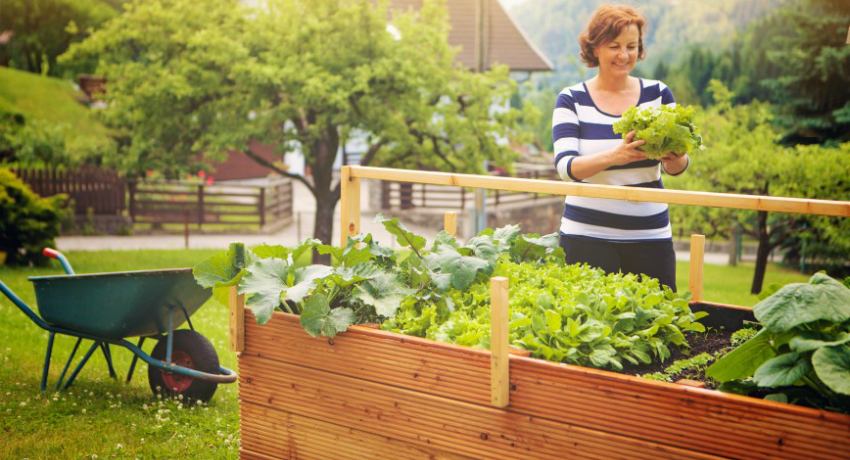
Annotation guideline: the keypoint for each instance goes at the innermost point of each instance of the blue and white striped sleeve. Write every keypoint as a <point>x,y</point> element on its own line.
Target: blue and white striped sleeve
<point>565,134</point>
<point>666,95</point>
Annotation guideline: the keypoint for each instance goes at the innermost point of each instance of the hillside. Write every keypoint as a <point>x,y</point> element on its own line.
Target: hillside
<point>56,101</point>
<point>554,25</point>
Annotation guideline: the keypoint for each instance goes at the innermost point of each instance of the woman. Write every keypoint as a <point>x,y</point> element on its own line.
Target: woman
<point>614,235</point>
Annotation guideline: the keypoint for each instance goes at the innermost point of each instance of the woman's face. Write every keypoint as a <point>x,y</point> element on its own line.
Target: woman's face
<point>618,57</point>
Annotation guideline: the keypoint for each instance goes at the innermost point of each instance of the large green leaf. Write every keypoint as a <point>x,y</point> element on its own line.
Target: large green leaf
<point>462,269</point>
<point>810,341</point>
<point>482,247</point>
<point>346,276</point>
<point>303,281</point>
<point>224,269</point>
<point>533,247</point>
<point>782,370</point>
<point>832,364</point>
<point>743,361</point>
<point>265,251</point>
<point>350,255</point>
<point>384,292</point>
<point>318,319</point>
<point>822,298</point>
<point>404,237</point>
<point>264,281</point>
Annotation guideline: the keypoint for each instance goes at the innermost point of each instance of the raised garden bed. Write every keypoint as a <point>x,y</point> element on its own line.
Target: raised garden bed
<point>374,394</point>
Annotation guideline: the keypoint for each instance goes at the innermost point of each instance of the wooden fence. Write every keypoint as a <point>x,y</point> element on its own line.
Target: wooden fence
<point>406,195</point>
<point>101,190</point>
<point>268,205</point>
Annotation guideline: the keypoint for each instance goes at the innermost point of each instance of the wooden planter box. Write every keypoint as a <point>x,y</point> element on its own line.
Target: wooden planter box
<point>379,395</point>
<point>371,394</point>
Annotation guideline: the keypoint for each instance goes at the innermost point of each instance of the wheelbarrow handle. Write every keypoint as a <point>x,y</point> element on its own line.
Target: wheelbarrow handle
<point>54,254</point>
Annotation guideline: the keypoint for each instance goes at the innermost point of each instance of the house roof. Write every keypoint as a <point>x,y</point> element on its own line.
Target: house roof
<point>503,40</point>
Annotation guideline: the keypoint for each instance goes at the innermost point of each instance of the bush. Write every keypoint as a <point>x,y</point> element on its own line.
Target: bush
<point>28,223</point>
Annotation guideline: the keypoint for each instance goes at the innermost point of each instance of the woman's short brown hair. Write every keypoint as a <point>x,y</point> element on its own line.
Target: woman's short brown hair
<point>606,24</point>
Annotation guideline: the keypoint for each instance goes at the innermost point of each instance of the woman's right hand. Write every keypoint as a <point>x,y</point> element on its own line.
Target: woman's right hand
<point>627,152</point>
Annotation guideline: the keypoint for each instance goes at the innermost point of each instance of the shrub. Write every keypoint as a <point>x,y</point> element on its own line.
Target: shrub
<point>28,223</point>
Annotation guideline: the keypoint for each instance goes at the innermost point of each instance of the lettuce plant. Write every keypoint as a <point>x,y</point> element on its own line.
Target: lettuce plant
<point>664,129</point>
<point>802,353</point>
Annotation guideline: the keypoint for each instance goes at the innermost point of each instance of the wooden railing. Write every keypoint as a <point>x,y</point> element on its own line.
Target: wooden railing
<point>101,190</point>
<point>406,195</point>
<point>267,205</point>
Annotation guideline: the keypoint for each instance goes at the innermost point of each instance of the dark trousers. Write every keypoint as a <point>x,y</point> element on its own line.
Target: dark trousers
<point>653,258</point>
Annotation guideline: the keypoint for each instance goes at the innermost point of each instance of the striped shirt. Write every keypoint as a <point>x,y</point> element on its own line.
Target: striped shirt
<point>579,128</point>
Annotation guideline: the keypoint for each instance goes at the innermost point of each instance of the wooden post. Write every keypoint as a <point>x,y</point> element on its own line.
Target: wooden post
<point>200,206</point>
<point>499,335</point>
<point>261,204</point>
<point>697,259</point>
<point>349,206</point>
<point>450,223</point>
<point>132,186</point>
<point>237,320</point>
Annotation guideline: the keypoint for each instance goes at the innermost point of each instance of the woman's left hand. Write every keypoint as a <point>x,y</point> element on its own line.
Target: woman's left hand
<point>674,163</point>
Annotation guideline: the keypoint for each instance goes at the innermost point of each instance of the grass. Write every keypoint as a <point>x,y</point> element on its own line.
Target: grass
<point>98,416</point>
<point>109,419</point>
<point>731,285</point>
<point>52,100</point>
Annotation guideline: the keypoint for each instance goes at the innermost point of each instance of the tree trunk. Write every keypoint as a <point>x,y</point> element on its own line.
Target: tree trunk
<point>323,227</point>
<point>324,154</point>
<point>761,254</point>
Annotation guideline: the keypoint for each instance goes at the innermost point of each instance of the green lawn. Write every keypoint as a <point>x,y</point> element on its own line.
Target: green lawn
<point>98,416</point>
<point>110,419</point>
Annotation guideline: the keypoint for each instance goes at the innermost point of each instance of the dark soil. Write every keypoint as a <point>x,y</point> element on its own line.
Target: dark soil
<point>709,342</point>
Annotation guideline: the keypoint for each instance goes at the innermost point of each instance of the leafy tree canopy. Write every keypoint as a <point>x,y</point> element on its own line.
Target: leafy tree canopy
<point>208,76</point>
<point>41,30</point>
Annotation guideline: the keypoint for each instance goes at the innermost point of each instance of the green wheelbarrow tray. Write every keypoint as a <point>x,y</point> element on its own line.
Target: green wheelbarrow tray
<point>107,308</point>
<point>120,304</point>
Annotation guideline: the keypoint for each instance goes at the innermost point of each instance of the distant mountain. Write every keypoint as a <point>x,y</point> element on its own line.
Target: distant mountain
<point>673,25</point>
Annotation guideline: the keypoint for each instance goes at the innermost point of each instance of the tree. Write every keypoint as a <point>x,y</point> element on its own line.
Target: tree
<point>188,77</point>
<point>743,157</point>
<point>813,90</point>
<point>41,30</point>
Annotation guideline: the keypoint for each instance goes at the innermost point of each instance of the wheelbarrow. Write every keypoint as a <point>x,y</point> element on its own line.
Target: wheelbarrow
<point>108,308</point>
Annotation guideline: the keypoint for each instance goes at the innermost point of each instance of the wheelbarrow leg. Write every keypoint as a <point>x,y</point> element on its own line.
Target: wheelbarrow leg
<point>80,366</point>
<point>135,358</point>
<point>47,362</point>
<point>68,364</point>
<point>108,355</point>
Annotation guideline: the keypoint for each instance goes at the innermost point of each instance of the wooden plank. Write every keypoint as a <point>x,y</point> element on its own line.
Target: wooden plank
<point>583,402</point>
<point>281,434</point>
<point>696,265</point>
<point>699,419</point>
<point>429,421</point>
<point>450,223</point>
<point>719,200</point>
<point>237,320</point>
<point>349,206</point>
<point>499,337</point>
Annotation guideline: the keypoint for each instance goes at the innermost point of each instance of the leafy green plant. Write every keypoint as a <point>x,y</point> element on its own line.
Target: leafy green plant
<point>572,314</point>
<point>664,129</point>
<point>28,223</point>
<point>803,350</point>
<point>683,368</point>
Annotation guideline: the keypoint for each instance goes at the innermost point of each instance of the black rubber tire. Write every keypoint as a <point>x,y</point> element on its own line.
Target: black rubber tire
<point>204,359</point>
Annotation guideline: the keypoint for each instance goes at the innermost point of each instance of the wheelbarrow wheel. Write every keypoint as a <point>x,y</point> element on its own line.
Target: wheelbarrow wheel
<point>192,350</point>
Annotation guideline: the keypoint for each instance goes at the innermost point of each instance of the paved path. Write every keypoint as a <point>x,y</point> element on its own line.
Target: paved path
<point>304,207</point>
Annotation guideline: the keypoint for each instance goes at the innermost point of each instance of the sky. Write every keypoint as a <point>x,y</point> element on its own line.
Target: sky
<point>512,3</point>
